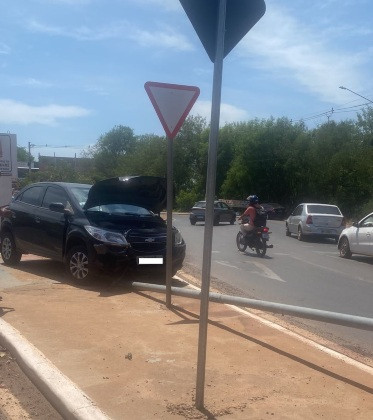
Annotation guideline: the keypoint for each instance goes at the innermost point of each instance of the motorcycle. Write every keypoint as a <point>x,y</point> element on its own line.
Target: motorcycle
<point>256,239</point>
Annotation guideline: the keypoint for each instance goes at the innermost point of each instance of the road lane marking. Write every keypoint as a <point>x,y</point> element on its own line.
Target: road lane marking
<point>226,264</point>
<point>281,253</point>
<point>333,270</point>
<point>268,272</point>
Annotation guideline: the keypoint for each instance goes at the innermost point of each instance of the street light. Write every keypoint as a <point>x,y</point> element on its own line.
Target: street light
<point>361,96</point>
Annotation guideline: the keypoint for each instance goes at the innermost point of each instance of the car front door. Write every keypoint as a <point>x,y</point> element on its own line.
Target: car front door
<point>224,212</point>
<point>53,223</point>
<point>364,234</point>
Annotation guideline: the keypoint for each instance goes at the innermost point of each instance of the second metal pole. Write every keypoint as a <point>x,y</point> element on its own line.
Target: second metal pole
<point>210,198</point>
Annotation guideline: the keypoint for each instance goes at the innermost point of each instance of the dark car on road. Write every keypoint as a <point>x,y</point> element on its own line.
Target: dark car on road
<point>222,213</point>
<point>110,226</point>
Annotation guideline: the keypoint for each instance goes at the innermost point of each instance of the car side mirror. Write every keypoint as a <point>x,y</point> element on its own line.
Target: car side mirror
<point>355,224</point>
<point>60,208</point>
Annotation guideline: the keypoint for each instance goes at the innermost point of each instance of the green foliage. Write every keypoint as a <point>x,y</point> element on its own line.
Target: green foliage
<point>186,199</point>
<point>23,155</point>
<point>274,158</point>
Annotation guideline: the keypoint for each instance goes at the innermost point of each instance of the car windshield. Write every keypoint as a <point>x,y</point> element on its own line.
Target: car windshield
<point>81,194</point>
<point>201,204</point>
<point>319,209</point>
<point>122,209</point>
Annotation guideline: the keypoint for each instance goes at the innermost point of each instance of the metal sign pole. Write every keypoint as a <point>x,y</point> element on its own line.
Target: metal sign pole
<point>210,197</point>
<point>169,220</point>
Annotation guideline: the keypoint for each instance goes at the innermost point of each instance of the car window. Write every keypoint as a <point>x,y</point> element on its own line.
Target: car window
<point>298,210</point>
<point>81,194</point>
<point>126,209</point>
<point>320,209</point>
<point>224,206</point>
<point>201,204</point>
<point>368,222</point>
<point>55,195</point>
<point>32,195</point>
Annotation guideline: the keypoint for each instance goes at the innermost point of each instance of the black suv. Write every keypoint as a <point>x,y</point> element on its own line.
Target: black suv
<point>112,225</point>
<point>222,213</point>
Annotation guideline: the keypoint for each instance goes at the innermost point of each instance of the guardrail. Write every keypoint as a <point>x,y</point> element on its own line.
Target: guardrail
<point>346,320</point>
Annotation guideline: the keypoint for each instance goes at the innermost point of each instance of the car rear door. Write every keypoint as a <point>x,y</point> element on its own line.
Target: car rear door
<point>294,219</point>
<point>23,213</point>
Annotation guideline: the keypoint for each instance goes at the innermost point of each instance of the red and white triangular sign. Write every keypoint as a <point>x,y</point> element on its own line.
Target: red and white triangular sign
<point>172,104</point>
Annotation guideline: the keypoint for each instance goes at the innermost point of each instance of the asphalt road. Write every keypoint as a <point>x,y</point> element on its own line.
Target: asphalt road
<point>309,274</point>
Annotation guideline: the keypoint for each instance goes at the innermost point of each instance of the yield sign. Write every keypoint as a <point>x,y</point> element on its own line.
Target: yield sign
<point>172,104</point>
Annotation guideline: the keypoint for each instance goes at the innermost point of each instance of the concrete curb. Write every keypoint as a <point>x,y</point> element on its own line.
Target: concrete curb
<point>63,395</point>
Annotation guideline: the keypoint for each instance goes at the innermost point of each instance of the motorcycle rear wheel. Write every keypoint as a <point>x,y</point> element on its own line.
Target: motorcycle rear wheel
<point>261,247</point>
<point>240,241</point>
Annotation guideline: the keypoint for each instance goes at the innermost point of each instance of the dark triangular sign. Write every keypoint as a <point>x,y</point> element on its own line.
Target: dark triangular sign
<point>241,16</point>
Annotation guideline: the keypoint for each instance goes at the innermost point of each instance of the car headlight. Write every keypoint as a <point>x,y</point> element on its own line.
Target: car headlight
<point>178,239</point>
<point>107,236</point>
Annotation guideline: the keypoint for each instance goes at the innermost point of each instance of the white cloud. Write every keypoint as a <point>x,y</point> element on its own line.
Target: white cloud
<point>4,49</point>
<point>31,82</point>
<point>228,113</point>
<point>169,5</point>
<point>283,46</point>
<point>12,112</point>
<point>165,38</point>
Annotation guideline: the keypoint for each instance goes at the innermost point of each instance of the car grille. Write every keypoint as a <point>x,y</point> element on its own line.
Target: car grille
<point>150,244</point>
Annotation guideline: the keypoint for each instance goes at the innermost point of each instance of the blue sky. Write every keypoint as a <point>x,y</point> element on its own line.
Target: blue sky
<point>70,70</point>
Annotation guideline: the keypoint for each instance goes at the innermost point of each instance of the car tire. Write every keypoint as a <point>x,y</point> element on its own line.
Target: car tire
<point>192,222</point>
<point>216,220</point>
<point>233,220</point>
<point>344,248</point>
<point>300,236</point>
<point>287,231</point>
<point>9,253</point>
<point>78,265</point>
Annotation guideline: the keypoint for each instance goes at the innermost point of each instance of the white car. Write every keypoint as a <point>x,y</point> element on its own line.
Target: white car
<point>357,239</point>
<point>315,219</point>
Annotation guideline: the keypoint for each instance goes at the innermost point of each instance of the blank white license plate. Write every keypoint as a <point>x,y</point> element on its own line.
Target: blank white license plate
<point>265,236</point>
<point>150,260</point>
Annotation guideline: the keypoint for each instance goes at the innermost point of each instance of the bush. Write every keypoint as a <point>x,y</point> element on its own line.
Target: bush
<point>185,200</point>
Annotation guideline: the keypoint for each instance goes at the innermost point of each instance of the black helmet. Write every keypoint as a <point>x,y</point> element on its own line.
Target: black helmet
<point>253,199</point>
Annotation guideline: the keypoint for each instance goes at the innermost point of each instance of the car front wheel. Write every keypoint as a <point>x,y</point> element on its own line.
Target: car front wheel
<point>78,264</point>
<point>287,231</point>
<point>9,253</point>
<point>300,234</point>
<point>344,248</point>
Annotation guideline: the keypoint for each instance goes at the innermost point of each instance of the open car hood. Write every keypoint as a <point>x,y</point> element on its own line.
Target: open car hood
<point>149,192</point>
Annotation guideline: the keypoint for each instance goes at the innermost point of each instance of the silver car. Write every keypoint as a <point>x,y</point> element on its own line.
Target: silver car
<point>357,239</point>
<point>313,219</point>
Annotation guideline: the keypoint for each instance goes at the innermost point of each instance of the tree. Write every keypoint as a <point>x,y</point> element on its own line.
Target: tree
<point>110,149</point>
<point>23,155</point>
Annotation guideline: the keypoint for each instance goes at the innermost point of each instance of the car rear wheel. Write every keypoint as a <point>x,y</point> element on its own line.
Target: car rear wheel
<point>193,221</point>
<point>300,234</point>
<point>287,231</point>
<point>9,253</point>
<point>344,248</point>
<point>78,264</point>
<point>216,220</point>
<point>233,220</point>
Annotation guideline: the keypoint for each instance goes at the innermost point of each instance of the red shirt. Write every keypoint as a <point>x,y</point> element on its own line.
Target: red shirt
<point>251,212</point>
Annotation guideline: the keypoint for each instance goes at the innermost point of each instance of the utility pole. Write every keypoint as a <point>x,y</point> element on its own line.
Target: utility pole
<point>29,158</point>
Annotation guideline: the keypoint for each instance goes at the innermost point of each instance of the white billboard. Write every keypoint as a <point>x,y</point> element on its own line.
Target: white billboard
<point>8,155</point>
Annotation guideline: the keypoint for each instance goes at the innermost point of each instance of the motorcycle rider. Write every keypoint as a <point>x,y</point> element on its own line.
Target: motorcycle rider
<point>249,215</point>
